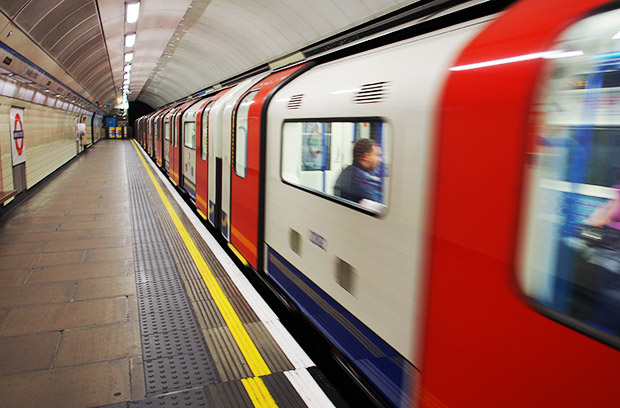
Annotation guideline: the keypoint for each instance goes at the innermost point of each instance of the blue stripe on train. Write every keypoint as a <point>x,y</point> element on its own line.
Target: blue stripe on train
<point>383,366</point>
<point>189,187</point>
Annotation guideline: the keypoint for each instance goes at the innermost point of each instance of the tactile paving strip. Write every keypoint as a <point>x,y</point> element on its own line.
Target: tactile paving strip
<point>175,356</point>
<point>170,344</point>
<point>178,372</point>
<point>189,398</point>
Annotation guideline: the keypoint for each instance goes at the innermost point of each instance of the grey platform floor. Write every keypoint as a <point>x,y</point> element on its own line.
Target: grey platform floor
<point>78,299</point>
<point>69,329</point>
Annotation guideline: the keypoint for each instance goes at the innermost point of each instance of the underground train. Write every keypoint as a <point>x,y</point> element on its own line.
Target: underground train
<point>474,275</point>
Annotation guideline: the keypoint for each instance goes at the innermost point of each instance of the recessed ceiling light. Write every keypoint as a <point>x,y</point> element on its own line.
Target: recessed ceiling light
<point>130,40</point>
<point>133,11</point>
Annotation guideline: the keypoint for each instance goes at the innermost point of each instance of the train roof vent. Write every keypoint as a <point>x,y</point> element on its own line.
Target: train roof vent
<point>295,101</point>
<point>372,93</point>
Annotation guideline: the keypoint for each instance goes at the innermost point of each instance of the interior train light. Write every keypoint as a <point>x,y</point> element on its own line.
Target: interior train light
<point>617,36</point>
<point>130,40</point>
<point>526,57</point>
<point>129,57</point>
<point>133,11</point>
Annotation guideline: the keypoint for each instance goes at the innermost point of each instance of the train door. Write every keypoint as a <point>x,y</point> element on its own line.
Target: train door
<point>173,152</point>
<point>202,153</point>
<point>176,142</point>
<point>166,121</point>
<point>158,132</point>
<point>226,140</point>
<point>247,165</point>
<point>188,149</point>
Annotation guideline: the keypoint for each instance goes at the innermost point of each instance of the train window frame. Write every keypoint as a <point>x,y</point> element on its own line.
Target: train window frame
<point>240,162</point>
<point>333,198</point>
<point>166,130</point>
<point>191,145</point>
<point>549,177</point>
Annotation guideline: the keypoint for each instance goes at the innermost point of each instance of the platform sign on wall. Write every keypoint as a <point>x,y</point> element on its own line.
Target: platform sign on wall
<point>16,125</point>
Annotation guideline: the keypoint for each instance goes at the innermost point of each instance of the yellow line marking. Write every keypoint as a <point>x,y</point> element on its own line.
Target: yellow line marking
<point>241,258</point>
<point>241,336</point>
<point>258,392</point>
<point>244,240</point>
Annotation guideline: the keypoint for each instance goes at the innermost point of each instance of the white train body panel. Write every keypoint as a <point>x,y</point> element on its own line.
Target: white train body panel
<point>188,148</point>
<point>223,115</point>
<point>386,251</point>
<point>215,149</point>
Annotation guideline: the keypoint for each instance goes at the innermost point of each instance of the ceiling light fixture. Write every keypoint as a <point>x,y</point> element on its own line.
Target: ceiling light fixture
<point>129,57</point>
<point>130,40</point>
<point>132,12</point>
<point>128,68</point>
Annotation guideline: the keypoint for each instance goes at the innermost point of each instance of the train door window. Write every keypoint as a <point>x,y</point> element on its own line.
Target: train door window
<point>570,245</point>
<point>205,132</point>
<point>174,131</point>
<point>345,160</point>
<point>155,131</point>
<point>189,134</point>
<point>167,130</point>
<point>241,134</point>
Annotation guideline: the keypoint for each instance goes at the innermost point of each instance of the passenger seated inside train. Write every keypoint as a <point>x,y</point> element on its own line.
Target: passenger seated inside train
<point>346,160</point>
<point>357,182</point>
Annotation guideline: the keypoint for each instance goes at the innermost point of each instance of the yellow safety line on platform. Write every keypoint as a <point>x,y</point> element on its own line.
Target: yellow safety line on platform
<point>246,345</point>
<point>256,390</point>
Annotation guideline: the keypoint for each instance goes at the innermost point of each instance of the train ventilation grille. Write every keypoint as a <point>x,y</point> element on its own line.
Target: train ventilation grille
<point>294,241</point>
<point>372,93</point>
<point>295,101</point>
<point>346,276</point>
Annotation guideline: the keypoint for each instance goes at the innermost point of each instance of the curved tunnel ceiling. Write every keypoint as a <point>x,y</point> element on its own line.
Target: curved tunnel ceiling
<point>181,46</point>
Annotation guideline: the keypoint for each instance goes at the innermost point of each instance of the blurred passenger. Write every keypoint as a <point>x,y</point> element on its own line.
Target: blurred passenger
<point>606,285</point>
<point>357,183</point>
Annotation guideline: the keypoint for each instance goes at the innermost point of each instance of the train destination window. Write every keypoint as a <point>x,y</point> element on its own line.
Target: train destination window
<point>570,244</point>
<point>241,133</point>
<point>346,160</point>
<point>189,134</point>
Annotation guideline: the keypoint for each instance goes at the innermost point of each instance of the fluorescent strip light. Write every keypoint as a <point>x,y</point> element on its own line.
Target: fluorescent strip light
<point>127,68</point>
<point>126,76</point>
<point>526,57</point>
<point>617,36</point>
<point>129,57</point>
<point>133,11</point>
<point>130,40</point>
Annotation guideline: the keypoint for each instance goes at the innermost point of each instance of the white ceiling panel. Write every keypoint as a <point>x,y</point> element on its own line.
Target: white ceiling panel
<point>182,46</point>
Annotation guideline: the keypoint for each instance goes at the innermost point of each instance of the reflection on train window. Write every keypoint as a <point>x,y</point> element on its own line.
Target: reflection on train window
<point>189,135</point>
<point>571,245</point>
<point>241,133</point>
<point>205,132</point>
<point>167,130</point>
<point>347,160</point>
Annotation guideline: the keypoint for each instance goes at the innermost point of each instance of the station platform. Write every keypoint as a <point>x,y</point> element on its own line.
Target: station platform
<point>112,293</point>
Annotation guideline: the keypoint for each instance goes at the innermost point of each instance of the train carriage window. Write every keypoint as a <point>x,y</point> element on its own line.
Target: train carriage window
<point>205,132</point>
<point>189,135</point>
<point>570,256</point>
<point>241,134</point>
<point>167,130</point>
<point>346,160</point>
